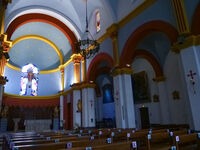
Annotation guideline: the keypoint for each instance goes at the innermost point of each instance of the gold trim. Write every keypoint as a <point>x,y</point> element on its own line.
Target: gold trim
<point>127,18</point>
<point>136,12</point>
<point>181,18</point>
<point>120,71</point>
<point>159,79</point>
<point>32,97</point>
<point>25,37</point>
<point>188,42</point>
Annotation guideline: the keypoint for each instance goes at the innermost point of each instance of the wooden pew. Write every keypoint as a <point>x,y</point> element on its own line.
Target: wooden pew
<point>188,142</point>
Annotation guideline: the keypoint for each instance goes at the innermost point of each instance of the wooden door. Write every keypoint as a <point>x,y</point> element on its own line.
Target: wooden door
<point>144,115</point>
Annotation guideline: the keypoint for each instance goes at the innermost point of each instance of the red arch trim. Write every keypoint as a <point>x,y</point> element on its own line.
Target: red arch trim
<point>36,17</point>
<point>138,35</point>
<point>151,59</point>
<point>196,21</point>
<point>95,62</point>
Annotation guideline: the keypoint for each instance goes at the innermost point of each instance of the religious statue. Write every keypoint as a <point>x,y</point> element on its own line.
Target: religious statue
<point>4,112</point>
<point>56,112</point>
<point>79,107</point>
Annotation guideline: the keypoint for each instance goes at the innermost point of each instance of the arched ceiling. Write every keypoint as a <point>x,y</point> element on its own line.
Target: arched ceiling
<point>39,52</point>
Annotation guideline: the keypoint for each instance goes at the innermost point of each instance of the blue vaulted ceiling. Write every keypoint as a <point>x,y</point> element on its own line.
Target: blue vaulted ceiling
<point>36,51</point>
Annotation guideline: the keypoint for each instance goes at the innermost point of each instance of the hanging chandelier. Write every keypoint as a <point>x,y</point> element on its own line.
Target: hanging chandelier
<point>87,46</point>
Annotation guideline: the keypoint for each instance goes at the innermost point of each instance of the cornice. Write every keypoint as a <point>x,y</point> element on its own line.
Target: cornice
<point>187,42</point>
<point>119,71</point>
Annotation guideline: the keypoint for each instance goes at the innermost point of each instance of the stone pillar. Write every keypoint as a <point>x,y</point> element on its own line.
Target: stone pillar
<point>4,120</point>
<point>88,105</point>
<point>61,111</point>
<point>164,101</point>
<point>113,31</point>
<point>56,119</point>
<point>123,96</point>
<point>190,61</point>
<point>76,108</point>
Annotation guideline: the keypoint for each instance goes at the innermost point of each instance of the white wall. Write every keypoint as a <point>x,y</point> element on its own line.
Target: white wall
<point>178,108</point>
<point>139,65</point>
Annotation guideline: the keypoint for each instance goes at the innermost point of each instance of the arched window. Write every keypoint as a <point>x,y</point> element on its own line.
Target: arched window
<point>98,25</point>
<point>29,80</point>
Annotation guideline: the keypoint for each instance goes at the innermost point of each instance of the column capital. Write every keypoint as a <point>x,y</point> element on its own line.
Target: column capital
<point>119,71</point>
<point>83,85</point>
<point>76,58</point>
<point>159,79</point>
<point>189,41</point>
<point>113,31</point>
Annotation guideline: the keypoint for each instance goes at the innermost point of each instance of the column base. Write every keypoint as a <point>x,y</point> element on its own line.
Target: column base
<point>3,124</point>
<point>55,123</point>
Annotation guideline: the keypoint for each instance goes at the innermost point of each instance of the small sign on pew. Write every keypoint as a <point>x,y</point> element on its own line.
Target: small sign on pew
<point>173,148</point>
<point>79,135</point>
<point>177,138</point>
<point>92,138</point>
<point>41,136</point>
<point>113,134</point>
<point>81,131</point>
<point>189,131</point>
<point>89,131</point>
<point>48,138</point>
<point>134,144</point>
<point>133,131</point>
<point>119,130</point>
<point>100,132</point>
<point>198,135</point>
<point>171,133</point>
<point>15,148</point>
<point>109,140</point>
<point>149,136</point>
<point>68,145</point>
<point>88,148</point>
<point>56,140</point>
<point>128,135</point>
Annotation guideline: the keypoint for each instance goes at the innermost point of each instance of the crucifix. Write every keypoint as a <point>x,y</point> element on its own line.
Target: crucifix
<point>91,101</point>
<point>191,76</point>
<point>117,96</point>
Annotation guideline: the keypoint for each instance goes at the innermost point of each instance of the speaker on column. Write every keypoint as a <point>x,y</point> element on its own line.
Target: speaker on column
<point>6,55</point>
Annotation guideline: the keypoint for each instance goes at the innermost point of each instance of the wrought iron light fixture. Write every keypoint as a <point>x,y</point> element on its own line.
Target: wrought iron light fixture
<point>87,46</point>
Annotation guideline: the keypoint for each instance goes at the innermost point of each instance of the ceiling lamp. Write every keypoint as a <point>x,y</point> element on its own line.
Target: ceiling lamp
<point>87,46</point>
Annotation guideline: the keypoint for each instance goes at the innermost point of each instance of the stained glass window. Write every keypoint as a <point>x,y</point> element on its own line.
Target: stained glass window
<point>29,80</point>
<point>98,26</point>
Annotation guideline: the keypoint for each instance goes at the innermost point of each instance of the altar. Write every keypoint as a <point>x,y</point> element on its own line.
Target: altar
<point>38,125</point>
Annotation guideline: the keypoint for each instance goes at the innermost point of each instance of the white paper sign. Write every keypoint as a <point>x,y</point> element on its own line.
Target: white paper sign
<point>133,131</point>
<point>128,135</point>
<point>173,148</point>
<point>88,148</point>
<point>171,133</point>
<point>109,140</point>
<point>57,141</point>
<point>100,132</point>
<point>92,138</point>
<point>69,145</point>
<point>81,131</point>
<point>149,136</point>
<point>134,144</point>
<point>113,134</point>
<point>48,138</point>
<point>177,138</point>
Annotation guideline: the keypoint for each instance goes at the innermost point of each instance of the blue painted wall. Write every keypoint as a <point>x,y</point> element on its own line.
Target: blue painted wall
<point>69,76</point>
<point>165,14</point>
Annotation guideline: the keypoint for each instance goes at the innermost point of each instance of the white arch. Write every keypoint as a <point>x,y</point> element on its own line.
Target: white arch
<point>44,11</point>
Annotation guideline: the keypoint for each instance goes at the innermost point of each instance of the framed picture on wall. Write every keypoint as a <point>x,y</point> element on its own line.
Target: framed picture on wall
<point>140,87</point>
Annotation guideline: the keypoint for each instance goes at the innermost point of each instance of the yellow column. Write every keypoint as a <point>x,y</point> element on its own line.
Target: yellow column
<point>3,6</point>
<point>113,31</point>
<point>83,69</point>
<point>76,58</point>
<point>62,70</point>
<point>181,18</point>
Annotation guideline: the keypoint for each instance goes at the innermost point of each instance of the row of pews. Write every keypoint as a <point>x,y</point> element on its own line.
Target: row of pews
<point>176,138</point>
